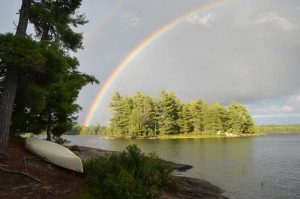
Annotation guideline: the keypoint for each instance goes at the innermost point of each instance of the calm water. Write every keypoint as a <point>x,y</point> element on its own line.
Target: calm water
<point>253,167</point>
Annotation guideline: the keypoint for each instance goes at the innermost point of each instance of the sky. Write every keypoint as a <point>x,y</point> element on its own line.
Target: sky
<point>241,50</point>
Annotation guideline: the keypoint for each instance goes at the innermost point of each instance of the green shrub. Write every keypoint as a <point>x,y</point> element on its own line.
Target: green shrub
<point>85,194</point>
<point>129,174</point>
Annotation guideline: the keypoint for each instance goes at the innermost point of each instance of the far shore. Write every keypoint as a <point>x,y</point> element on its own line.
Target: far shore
<point>181,136</point>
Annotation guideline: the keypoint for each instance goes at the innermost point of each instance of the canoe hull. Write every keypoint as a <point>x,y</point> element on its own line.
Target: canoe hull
<point>54,153</point>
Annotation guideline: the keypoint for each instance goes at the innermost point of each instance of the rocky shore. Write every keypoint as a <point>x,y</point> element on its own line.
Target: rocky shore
<point>192,188</point>
<point>23,175</point>
<point>86,153</point>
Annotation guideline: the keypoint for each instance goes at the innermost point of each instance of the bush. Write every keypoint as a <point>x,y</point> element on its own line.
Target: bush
<point>129,174</point>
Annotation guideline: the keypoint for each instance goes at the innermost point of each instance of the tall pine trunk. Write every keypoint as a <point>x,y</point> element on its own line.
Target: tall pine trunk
<point>10,84</point>
<point>49,127</point>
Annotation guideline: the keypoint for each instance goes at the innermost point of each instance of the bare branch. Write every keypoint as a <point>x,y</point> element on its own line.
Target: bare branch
<point>20,173</point>
<point>15,24</point>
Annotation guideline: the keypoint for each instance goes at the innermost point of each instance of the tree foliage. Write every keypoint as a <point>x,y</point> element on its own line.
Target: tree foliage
<point>48,78</point>
<point>53,21</point>
<point>143,115</point>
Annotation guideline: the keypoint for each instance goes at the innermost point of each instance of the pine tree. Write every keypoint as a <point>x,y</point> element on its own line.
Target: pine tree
<point>198,108</point>
<point>116,107</point>
<point>47,102</point>
<point>10,81</point>
<point>59,83</point>
<point>143,115</point>
<point>213,119</point>
<point>186,119</point>
<point>169,106</point>
<point>141,120</point>
<point>239,119</point>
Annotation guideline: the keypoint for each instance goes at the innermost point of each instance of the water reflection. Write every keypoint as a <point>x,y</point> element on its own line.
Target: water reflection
<point>251,167</point>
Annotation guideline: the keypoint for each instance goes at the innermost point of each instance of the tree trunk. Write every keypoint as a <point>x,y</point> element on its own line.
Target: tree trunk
<point>10,84</point>
<point>49,138</point>
<point>49,126</point>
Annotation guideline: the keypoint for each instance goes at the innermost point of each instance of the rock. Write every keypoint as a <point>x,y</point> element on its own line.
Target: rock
<point>192,188</point>
<point>86,153</point>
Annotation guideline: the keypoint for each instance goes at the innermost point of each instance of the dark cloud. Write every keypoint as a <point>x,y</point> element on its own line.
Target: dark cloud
<point>246,51</point>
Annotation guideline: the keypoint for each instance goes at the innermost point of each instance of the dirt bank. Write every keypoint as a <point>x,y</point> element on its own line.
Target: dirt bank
<point>46,181</point>
<point>23,175</point>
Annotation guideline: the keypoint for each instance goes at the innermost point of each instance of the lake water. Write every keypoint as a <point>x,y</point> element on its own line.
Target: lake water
<point>246,168</point>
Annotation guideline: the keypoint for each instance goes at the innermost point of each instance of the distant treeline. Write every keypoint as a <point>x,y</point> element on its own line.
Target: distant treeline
<point>291,128</point>
<point>90,130</point>
<point>143,115</point>
<point>102,130</point>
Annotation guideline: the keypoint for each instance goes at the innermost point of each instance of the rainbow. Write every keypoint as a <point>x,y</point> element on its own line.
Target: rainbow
<point>139,48</point>
<point>104,20</point>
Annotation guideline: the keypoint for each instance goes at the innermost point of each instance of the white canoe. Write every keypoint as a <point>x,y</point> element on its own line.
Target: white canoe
<point>54,153</point>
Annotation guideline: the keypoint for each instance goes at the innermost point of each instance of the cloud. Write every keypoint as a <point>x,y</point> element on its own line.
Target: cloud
<point>292,105</point>
<point>286,109</point>
<point>201,20</point>
<point>277,116</point>
<point>289,106</point>
<point>276,20</point>
<point>130,19</point>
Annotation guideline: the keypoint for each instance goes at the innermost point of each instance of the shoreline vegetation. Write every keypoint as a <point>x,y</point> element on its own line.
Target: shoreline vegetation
<point>179,187</point>
<point>182,136</point>
<point>275,128</point>
<point>101,131</point>
<point>56,182</point>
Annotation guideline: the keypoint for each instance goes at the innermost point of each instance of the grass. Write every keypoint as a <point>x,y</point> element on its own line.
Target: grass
<point>82,194</point>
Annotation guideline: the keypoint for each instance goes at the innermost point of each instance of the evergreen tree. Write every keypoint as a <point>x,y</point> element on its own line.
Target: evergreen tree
<point>143,115</point>
<point>47,102</point>
<point>239,119</point>
<point>121,110</point>
<point>154,117</point>
<point>213,119</point>
<point>127,107</point>
<point>198,108</point>
<point>11,78</point>
<point>115,105</point>
<point>186,119</point>
<point>52,21</point>
<point>169,106</point>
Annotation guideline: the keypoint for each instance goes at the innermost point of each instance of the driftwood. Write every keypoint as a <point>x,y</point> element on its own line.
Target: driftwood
<point>20,173</point>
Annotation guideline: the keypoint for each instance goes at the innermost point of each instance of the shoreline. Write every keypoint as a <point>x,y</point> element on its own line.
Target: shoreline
<point>179,136</point>
<point>56,182</point>
<point>86,153</point>
<point>192,188</point>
